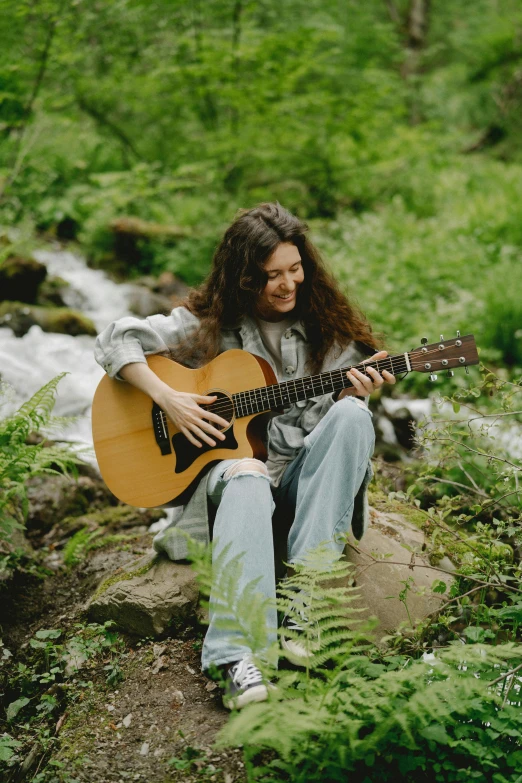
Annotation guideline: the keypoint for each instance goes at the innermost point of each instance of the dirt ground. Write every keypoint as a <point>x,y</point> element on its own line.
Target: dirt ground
<point>159,723</point>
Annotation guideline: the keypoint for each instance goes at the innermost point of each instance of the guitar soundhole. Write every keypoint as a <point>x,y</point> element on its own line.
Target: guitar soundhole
<point>187,453</point>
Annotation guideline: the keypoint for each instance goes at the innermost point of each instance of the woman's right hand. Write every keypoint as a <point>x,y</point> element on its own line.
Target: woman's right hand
<point>194,422</point>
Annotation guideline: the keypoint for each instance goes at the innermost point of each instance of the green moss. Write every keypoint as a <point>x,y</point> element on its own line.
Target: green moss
<point>115,578</point>
<point>441,541</point>
<point>380,501</point>
<point>77,546</point>
<point>65,321</point>
<point>20,317</point>
<point>111,516</point>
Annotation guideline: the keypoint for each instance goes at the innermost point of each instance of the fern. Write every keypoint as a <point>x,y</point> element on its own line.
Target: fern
<point>355,711</point>
<point>19,460</point>
<point>240,612</point>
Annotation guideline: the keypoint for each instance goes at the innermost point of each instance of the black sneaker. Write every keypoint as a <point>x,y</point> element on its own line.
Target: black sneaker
<point>244,684</point>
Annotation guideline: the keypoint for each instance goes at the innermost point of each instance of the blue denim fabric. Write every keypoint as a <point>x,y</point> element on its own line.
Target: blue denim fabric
<point>320,484</point>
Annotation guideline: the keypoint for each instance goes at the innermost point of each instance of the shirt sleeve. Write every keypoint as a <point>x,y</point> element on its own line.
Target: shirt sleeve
<point>130,340</point>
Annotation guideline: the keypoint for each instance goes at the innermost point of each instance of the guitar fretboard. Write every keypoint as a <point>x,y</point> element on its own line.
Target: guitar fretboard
<point>281,395</point>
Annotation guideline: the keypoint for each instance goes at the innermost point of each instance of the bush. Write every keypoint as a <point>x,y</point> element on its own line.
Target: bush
<point>19,459</point>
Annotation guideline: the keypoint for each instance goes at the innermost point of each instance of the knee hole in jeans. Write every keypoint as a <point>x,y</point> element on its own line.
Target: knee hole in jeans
<point>247,466</point>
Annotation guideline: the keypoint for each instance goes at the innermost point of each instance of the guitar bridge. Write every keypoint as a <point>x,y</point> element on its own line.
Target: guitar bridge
<point>161,430</point>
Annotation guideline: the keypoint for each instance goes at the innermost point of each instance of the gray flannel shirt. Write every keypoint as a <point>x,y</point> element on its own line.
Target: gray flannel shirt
<point>130,340</point>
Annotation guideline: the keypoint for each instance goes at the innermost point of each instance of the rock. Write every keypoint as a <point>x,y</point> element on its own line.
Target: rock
<point>20,279</point>
<point>131,236</point>
<point>53,498</point>
<point>52,292</point>
<point>20,317</point>
<point>151,594</point>
<point>144,302</point>
<point>147,597</point>
<point>113,518</point>
<point>170,285</point>
<point>391,534</point>
<point>143,229</point>
<point>18,545</point>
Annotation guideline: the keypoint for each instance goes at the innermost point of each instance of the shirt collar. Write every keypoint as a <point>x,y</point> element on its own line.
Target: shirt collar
<point>247,325</point>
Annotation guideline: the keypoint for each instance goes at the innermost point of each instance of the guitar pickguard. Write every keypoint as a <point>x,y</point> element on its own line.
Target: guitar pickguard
<point>186,453</point>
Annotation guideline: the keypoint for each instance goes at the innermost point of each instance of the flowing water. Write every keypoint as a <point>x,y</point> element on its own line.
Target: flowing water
<point>28,362</point>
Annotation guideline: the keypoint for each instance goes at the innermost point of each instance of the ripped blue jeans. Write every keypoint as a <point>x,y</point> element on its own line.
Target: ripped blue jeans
<point>320,484</point>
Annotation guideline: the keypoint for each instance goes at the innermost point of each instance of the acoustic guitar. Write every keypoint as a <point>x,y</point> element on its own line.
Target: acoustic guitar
<point>145,461</point>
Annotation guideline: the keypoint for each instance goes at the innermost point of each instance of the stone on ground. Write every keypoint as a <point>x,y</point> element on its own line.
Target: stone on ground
<point>148,597</point>
<point>398,546</point>
<point>153,594</point>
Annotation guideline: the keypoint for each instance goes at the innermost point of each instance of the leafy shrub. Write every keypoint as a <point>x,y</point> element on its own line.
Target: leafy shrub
<point>380,716</point>
<point>502,317</point>
<point>19,460</point>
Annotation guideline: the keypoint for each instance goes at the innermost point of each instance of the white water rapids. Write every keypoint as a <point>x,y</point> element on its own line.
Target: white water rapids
<point>28,362</point>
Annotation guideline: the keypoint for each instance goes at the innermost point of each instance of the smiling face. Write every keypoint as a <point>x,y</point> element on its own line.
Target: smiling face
<point>285,274</point>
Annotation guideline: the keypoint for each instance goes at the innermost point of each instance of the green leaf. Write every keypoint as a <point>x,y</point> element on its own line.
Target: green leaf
<point>48,634</point>
<point>439,586</point>
<point>436,733</point>
<point>15,707</point>
<point>456,407</point>
<point>7,745</point>
<point>474,633</point>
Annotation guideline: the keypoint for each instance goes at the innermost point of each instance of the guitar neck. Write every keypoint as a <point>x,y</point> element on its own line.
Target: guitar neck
<point>280,395</point>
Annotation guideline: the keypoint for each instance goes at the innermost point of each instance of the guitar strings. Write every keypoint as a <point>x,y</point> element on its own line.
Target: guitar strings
<point>396,363</point>
<point>254,395</point>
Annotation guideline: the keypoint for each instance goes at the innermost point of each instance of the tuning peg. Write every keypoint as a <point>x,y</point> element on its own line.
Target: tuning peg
<point>424,340</point>
<point>467,370</point>
<point>450,373</point>
<point>432,377</point>
<point>458,333</point>
<point>441,337</point>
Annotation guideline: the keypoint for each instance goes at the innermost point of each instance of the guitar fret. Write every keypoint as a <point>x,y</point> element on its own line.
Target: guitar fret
<point>250,401</point>
<point>281,395</point>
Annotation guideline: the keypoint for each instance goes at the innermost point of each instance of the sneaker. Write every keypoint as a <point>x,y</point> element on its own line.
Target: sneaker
<point>244,684</point>
<point>303,639</point>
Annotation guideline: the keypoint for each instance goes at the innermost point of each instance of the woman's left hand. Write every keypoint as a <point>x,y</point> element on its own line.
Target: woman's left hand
<point>363,385</point>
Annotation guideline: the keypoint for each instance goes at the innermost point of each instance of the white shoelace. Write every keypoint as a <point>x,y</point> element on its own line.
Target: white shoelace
<point>246,673</point>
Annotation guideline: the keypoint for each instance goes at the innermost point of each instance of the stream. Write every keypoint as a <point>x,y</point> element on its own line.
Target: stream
<point>28,362</point>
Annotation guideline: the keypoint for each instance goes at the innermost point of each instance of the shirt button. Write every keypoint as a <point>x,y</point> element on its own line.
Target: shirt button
<point>289,370</point>
<point>288,334</point>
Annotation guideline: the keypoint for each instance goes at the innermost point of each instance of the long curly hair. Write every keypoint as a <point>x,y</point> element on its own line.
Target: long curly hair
<point>237,278</point>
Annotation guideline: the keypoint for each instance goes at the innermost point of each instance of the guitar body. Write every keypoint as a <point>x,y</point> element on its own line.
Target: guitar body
<point>147,462</point>
<point>130,459</point>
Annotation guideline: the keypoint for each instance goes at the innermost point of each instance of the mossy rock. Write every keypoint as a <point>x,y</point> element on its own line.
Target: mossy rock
<point>148,597</point>
<point>113,518</point>
<point>21,278</point>
<point>51,293</point>
<point>441,541</point>
<point>19,317</point>
<point>55,498</point>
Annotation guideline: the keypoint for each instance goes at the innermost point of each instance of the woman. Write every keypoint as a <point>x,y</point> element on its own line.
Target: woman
<point>267,293</point>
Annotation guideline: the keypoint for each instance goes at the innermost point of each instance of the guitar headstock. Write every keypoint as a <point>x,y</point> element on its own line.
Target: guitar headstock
<point>444,355</point>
